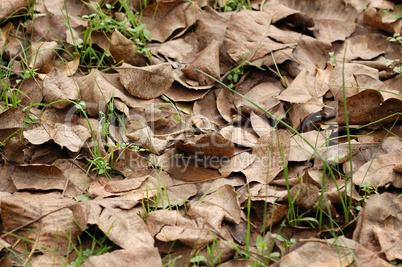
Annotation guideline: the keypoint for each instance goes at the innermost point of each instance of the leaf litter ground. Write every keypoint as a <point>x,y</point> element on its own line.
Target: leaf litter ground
<point>142,142</point>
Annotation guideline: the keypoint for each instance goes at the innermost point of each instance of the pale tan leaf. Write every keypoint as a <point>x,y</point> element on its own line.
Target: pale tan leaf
<point>38,177</point>
<point>43,56</point>
<point>58,87</point>
<point>147,257</point>
<point>379,172</point>
<point>21,208</point>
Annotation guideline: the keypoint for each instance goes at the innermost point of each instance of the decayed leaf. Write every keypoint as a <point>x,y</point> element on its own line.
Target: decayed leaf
<point>21,208</point>
<point>123,49</point>
<point>57,86</point>
<point>146,82</point>
<point>165,18</point>
<point>206,61</point>
<point>311,53</point>
<point>378,226</point>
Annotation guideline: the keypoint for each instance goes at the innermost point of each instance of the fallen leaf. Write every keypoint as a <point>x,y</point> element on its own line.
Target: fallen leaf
<point>146,82</point>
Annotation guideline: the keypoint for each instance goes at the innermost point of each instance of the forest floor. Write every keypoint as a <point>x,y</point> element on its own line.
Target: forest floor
<point>201,133</point>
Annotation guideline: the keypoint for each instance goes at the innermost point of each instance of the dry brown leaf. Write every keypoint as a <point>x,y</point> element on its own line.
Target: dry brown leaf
<point>368,106</point>
<point>57,86</point>
<point>168,19</point>
<point>300,150</point>
<point>146,257</point>
<point>123,49</point>
<point>43,56</point>
<point>264,95</point>
<point>221,205</point>
<point>146,82</point>
<point>21,208</point>
<point>208,146</point>
<point>38,177</point>
<point>379,20</point>
<point>9,7</point>
<point>364,47</point>
<point>183,50</point>
<point>236,164</point>
<point>240,136</point>
<point>167,226</point>
<point>190,170</point>
<point>311,53</point>
<point>333,252</point>
<point>260,125</point>
<point>206,61</point>
<point>269,159</point>
<point>379,225</point>
<point>333,20</point>
<point>247,36</point>
<point>178,92</point>
<point>146,139</point>
<point>379,172</point>
<point>211,26</point>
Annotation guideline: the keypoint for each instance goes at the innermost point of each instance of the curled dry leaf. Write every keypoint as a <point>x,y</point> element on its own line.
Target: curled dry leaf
<point>379,19</point>
<point>57,86</point>
<point>123,49</point>
<point>272,153</point>
<point>206,61</point>
<point>146,82</point>
<point>379,172</point>
<point>221,205</point>
<point>178,92</point>
<point>146,139</point>
<point>169,18</point>
<point>166,226</point>
<point>334,22</point>
<point>43,56</point>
